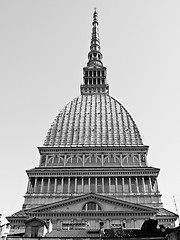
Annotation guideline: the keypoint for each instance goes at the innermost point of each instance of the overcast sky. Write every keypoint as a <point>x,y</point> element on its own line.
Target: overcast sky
<point>43,48</point>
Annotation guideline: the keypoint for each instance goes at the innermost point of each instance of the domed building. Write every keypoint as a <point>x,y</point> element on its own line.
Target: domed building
<point>93,163</point>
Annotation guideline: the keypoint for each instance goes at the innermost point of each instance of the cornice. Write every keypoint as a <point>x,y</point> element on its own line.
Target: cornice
<point>79,149</point>
<point>91,214</point>
<point>66,171</point>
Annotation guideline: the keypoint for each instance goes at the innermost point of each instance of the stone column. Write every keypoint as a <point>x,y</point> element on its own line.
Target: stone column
<point>150,184</point>
<point>69,184</point>
<point>62,184</point>
<point>89,184</point>
<point>95,184</point>
<point>42,185</point>
<point>156,183</point>
<point>29,186</point>
<point>83,161</point>
<point>103,184</point>
<point>65,159</point>
<point>121,159</point>
<point>109,184</point>
<point>75,185</point>
<point>35,185</point>
<point>130,187</point>
<point>82,182</point>
<point>143,183</point>
<point>48,187</point>
<point>55,185</point>
<point>116,185</point>
<point>123,184</point>
<point>137,186</point>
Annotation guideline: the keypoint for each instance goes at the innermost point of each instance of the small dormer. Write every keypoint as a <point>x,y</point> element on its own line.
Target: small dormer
<point>35,227</point>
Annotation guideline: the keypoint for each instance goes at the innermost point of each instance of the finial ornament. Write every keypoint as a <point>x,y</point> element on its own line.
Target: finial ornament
<point>95,54</point>
<point>95,17</point>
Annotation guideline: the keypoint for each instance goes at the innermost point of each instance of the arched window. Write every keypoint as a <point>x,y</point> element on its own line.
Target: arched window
<point>91,206</point>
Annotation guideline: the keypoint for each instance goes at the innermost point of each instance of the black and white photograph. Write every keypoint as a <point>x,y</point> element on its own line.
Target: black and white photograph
<point>90,119</point>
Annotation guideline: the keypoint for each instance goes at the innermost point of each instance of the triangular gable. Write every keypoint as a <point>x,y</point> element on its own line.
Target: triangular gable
<point>162,212</point>
<point>114,204</point>
<point>35,219</point>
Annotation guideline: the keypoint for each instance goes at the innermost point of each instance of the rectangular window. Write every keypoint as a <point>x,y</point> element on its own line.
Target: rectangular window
<point>34,231</point>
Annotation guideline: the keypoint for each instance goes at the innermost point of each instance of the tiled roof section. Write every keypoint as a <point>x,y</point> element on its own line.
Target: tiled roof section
<point>73,233</point>
<point>93,120</point>
<point>20,213</point>
<point>16,232</point>
<point>164,212</point>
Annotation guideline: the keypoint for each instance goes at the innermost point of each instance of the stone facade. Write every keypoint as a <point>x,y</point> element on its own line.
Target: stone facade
<point>93,164</point>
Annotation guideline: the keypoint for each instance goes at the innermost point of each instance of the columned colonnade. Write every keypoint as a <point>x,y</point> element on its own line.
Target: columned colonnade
<point>68,185</point>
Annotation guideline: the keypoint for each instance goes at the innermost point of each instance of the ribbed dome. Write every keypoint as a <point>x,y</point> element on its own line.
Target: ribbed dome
<point>93,120</point>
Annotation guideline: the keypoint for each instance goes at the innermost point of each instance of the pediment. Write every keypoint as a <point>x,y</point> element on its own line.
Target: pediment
<point>106,204</point>
<point>162,212</point>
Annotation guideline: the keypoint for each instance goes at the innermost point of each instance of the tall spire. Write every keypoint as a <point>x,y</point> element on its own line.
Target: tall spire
<point>94,79</point>
<point>95,55</point>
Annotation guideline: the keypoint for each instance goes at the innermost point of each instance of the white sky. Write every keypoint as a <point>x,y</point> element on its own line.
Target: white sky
<point>43,48</point>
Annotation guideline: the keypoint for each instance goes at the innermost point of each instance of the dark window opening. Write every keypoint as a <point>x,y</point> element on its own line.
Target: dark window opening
<point>91,206</point>
<point>34,231</point>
